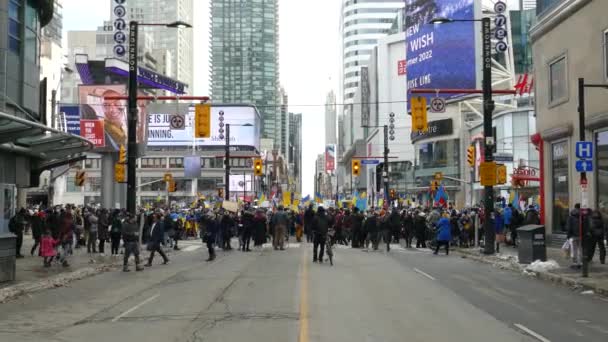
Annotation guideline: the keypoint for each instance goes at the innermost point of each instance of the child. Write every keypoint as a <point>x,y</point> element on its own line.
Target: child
<point>47,248</point>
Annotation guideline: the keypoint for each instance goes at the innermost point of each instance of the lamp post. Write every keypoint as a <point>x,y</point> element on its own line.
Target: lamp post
<point>488,109</point>
<point>132,109</point>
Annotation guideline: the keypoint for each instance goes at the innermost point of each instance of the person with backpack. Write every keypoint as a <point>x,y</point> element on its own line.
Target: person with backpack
<point>596,236</point>
<point>16,225</point>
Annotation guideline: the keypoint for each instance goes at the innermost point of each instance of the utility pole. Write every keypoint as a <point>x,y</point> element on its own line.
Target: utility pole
<point>581,137</point>
<point>385,172</point>
<point>227,165</point>
<point>488,109</point>
<point>132,119</point>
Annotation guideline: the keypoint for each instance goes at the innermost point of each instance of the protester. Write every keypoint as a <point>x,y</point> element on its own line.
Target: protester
<point>130,236</point>
<point>320,227</point>
<point>156,239</point>
<point>444,234</point>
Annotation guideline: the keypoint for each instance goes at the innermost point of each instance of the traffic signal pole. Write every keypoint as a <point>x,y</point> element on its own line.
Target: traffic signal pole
<point>227,165</point>
<point>488,109</point>
<point>385,172</point>
<point>132,119</point>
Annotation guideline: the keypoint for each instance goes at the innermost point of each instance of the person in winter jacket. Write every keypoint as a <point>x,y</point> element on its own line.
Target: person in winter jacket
<point>130,236</point>
<point>279,222</point>
<point>115,232</point>
<point>371,228</point>
<point>47,247</point>
<point>208,231</point>
<point>573,233</point>
<point>532,216</point>
<point>444,234</point>
<point>93,229</point>
<point>37,222</point>
<point>309,216</point>
<point>597,235</point>
<point>102,230</point>
<point>320,228</point>
<point>356,223</point>
<point>408,228</point>
<point>259,228</point>
<point>16,225</point>
<point>420,229</point>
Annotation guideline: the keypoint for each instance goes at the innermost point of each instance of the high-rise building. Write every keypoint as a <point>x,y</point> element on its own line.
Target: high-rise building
<point>244,57</point>
<point>295,149</point>
<point>362,22</point>
<point>331,135</point>
<point>178,41</point>
<point>282,134</point>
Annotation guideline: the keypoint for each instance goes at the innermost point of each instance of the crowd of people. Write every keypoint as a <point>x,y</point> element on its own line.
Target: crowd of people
<point>56,231</point>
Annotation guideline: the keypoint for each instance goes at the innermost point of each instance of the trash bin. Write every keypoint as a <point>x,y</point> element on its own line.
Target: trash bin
<point>8,248</point>
<point>532,244</point>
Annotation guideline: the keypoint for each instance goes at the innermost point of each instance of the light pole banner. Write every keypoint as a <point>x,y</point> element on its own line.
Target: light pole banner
<point>440,55</point>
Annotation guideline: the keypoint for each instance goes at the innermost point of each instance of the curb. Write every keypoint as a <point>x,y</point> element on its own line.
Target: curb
<point>60,280</point>
<point>546,276</point>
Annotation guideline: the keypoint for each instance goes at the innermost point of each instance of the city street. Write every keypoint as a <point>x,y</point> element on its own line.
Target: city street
<point>273,295</point>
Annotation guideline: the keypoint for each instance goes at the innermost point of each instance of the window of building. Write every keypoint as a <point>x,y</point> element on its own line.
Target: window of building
<point>601,142</point>
<point>209,184</point>
<point>183,184</point>
<point>14,26</point>
<point>70,186</point>
<point>153,186</point>
<point>93,163</point>
<point>558,81</point>
<point>176,163</point>
<point>92,184</point>
<point>153,163</point>
<point>559,170</point>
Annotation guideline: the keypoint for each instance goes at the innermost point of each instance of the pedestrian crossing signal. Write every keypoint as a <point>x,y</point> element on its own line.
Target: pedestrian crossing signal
<point>258,167</point>
<point>80,177</point>
<point>471,155</point>
<point>356,167</point>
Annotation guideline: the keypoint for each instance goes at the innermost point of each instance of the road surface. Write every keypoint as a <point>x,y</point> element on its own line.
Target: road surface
<point>405,295</point>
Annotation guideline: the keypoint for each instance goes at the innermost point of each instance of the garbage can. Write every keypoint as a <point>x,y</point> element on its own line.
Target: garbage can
<point>8,248</point>
<point>532,244</point>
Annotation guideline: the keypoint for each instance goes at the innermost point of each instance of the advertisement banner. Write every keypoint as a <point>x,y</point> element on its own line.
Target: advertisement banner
<point>93,130</point>
<point>240,183</point>
<point>94,106</point>
<point>330,157</point>
<point>71,113</point>
<point>440,55</point>
<point>244,126</point>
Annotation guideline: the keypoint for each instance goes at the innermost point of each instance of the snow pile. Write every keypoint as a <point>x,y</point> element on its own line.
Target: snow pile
<point>508,257</point>
<point>542,266</point>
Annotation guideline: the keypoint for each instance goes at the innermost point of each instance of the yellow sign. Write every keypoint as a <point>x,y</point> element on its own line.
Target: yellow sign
<point>487,173</point>
<point>501,174</point>
<point>119,173</point>
<point>286,199</point>
<point>202,120</point>
<point>419,119</point>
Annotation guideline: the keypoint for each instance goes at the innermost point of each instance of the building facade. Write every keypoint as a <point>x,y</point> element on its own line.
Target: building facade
<point>560,58</point>
<point>362,23</point>
<point>244,57</point>
<point>331,134</point>
<point>179,42</point>
<point>295,149</point>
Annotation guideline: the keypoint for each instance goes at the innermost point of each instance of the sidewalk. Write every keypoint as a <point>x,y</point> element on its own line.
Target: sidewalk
<point>31,276</point>
<point>561,274</point>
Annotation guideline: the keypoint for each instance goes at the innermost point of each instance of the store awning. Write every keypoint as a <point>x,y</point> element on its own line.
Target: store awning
<point>47,147</point>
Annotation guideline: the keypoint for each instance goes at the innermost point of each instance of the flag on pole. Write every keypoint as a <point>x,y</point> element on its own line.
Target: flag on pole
<point>515,202</point>
<point>318,198</point>
<point>441,196</point>
<point>306,199</point>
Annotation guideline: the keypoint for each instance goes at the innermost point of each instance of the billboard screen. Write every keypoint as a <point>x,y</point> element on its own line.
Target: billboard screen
<point>240,183</point>
<point>330,157</point>
<point>440,55</point>
<point>160,132</point>
<point>71,113</point>
<point>112,114</point>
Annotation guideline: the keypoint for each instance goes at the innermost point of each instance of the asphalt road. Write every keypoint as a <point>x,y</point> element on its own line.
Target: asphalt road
<point>406,295</point>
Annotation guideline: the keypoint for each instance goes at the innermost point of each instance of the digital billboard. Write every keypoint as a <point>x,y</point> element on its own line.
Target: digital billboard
<point>241,183</point>
<point>440,55</point>
<point>111,114</point>
<point>330,157</point>
<point>244,123</point>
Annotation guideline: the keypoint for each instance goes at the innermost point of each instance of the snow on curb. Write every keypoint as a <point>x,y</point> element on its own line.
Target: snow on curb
<point>59,280</point>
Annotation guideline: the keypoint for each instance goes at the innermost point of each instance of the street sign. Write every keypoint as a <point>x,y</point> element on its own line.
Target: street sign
<point>370,161</point>
<point>584,165</point>
<point>487,173</point>
<point>177,121</point>
<point>584,150</point>
<point>437,105</point>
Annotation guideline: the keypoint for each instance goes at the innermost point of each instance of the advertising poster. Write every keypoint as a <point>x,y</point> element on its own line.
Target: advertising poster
<point>240,183</point>
<point>93,130</point>
<point>71,113</point>
<point>244,130</point>
<point>440,55</point>
<point>94,106</point>
<point>330,157</point>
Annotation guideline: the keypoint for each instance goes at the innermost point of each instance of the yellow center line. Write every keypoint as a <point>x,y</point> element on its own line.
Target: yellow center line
<point>303,337</point>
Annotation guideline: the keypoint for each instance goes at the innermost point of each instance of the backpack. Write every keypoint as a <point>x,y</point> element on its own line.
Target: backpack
<point>12,225</point>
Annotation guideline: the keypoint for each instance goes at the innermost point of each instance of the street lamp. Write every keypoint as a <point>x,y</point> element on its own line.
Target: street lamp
<point>132,109</point>
<point>227,159</point>
<point>488,109</point>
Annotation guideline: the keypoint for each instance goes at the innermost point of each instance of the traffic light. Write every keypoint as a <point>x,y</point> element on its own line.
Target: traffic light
<point>167,177</point>
<point>418,108</point>
<point>171,186</point>
<point>471,155</point>
<point>119,173</point>
<point>220,192</point>
<point>81,176</point>
<point>501,174</point>
<point>393,194</point>
<point>438,176</point>
<point>202,120</point>
<point>258,167</point>
<point>356,167</point>
<point>434,185</point>
<point>122,154</point>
